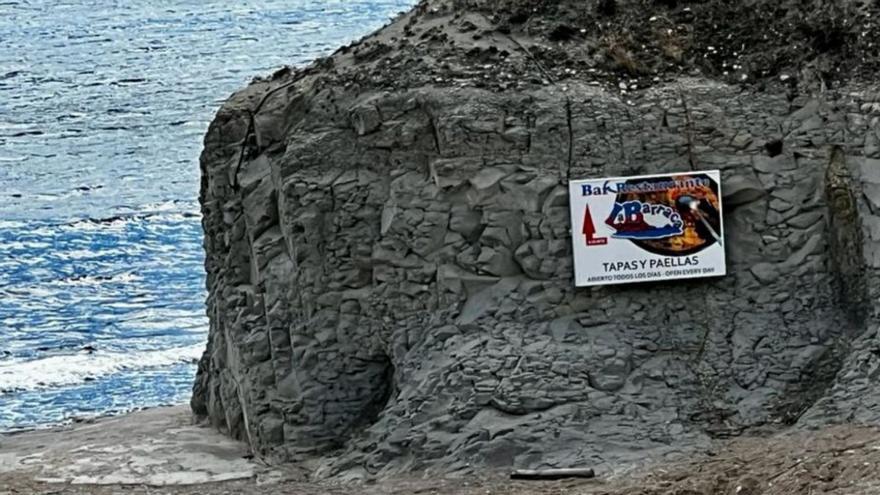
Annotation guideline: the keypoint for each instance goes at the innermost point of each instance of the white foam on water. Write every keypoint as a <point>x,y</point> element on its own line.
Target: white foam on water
<point>164,209</point>
<point>157,213</point>
<point>115,225</point>
<point>173,218</point>
<point>95,281</point>
<point>72,369</point>
<point>24,245</point>
<point>12,224</point>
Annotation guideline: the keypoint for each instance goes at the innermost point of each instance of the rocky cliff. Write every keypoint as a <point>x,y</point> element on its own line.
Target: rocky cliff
<point>389,257</point>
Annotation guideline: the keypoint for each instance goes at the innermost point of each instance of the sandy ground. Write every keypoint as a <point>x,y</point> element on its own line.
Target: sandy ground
<point>160,451</point>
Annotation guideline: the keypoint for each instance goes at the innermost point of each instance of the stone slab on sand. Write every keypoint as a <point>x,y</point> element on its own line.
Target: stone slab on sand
<point>156,447</point>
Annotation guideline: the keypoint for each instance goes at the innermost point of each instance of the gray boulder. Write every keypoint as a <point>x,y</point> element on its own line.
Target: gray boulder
<point>390,274</point>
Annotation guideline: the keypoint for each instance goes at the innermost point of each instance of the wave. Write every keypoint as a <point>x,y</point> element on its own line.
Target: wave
<point>12,224</point>
<point>185,212</point>
<point>62,370</point>
<point>119,222</point>
<point>98,280</point>
<point>168,206</point>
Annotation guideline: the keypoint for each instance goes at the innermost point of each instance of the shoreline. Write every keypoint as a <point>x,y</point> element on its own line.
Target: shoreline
<point>83,420</point>
<point>162,450</point>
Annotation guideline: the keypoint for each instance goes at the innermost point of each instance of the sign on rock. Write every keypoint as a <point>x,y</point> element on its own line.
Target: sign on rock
<point>650,227</point>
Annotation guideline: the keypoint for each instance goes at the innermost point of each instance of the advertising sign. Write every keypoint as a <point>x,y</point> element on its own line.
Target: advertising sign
<point>647,228</point>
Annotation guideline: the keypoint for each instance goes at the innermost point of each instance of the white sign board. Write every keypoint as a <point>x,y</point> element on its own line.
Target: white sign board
<point>651,227</point>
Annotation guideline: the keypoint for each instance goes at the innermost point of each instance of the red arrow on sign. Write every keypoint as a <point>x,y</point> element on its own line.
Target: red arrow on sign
<point>590,230</point>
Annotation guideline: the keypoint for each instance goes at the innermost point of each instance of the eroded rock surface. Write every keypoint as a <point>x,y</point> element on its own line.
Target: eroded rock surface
<point>391,284</point>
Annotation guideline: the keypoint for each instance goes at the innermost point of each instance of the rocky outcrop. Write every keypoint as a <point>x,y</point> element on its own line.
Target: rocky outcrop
<point>390,271</point>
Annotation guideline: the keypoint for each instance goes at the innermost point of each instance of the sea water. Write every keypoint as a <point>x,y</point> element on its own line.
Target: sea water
<point>103,105</point>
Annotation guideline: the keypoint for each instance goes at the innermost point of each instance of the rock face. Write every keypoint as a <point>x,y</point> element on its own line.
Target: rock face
<point>390,268</point>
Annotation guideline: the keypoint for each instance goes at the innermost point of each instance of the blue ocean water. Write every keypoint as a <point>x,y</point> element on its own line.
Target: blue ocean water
<point>103,105</point>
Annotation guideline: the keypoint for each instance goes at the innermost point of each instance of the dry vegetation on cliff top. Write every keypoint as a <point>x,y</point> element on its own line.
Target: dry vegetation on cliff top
<point>626,44</point>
